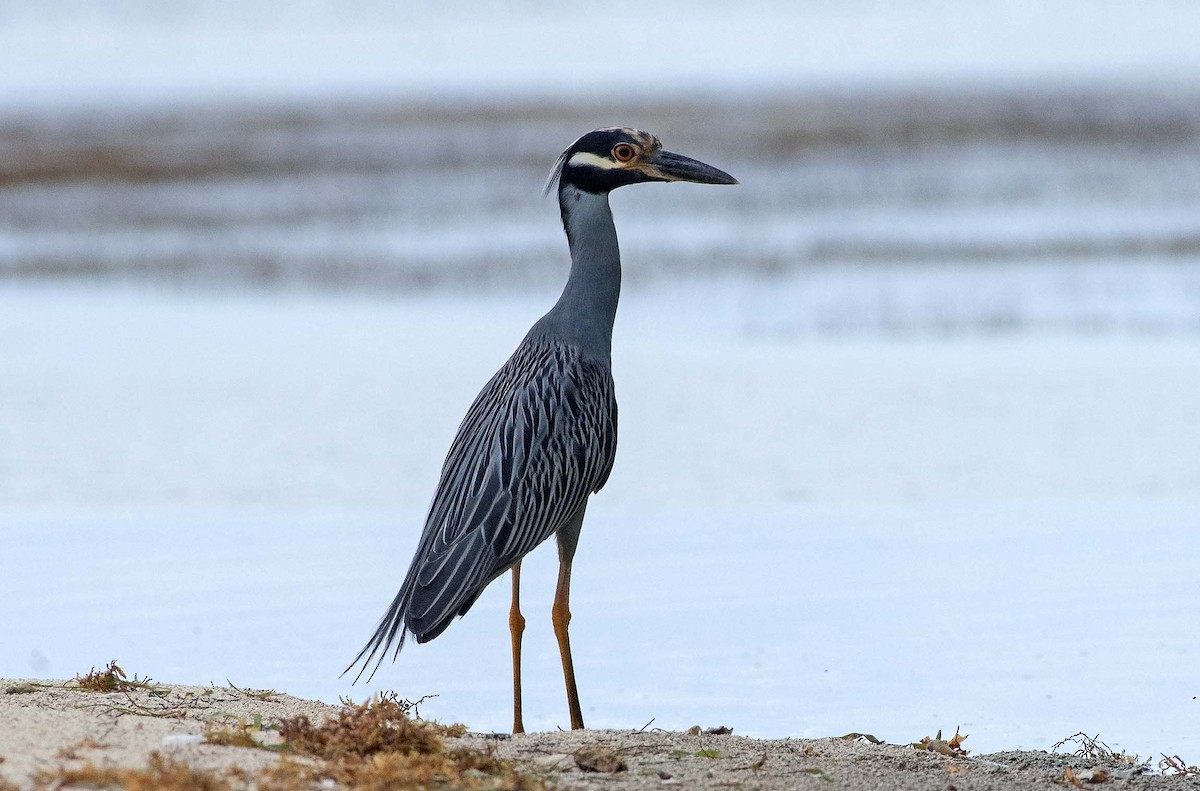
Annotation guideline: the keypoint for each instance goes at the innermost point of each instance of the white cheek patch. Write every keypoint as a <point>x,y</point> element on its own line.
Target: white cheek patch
<point>592,160</point>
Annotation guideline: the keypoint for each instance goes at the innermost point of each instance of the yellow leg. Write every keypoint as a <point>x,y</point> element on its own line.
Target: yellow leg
<point>516,624</point>
<point>561,616</point>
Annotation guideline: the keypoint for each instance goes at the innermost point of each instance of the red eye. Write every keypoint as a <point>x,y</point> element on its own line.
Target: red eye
<point>623,152</point>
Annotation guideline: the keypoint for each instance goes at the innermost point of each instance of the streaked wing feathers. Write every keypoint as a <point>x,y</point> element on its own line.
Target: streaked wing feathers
<point>538,440</point>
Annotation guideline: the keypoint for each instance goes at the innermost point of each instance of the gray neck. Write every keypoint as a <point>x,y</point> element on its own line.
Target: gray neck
<point>585,312</point>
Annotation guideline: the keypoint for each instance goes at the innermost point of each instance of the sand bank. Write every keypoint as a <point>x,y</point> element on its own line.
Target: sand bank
<point>46,726</point>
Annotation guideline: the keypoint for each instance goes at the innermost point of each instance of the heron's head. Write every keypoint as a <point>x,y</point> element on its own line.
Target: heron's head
<point>605,159</point>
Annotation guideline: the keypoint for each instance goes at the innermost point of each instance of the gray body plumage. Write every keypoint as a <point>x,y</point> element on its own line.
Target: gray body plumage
<point>539,439</point>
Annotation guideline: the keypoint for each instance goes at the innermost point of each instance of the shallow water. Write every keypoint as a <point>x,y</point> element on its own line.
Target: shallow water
<point>802,535</point>
<point>1065,209</point>
<point>908,418</point>
<point>1022,622</point>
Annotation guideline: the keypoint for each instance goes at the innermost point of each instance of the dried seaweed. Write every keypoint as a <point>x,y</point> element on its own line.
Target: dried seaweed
<point>952,748</point>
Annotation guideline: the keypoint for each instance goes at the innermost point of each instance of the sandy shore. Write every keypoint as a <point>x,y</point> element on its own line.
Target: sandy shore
<point>49,728</point>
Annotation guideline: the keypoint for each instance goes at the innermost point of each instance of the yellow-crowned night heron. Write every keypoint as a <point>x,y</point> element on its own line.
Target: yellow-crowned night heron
<point>541,436</point>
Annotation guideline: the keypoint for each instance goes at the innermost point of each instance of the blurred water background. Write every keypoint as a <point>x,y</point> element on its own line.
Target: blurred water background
<point>1071,209</point>
<point>1023,165</point>
<point>942,345</point>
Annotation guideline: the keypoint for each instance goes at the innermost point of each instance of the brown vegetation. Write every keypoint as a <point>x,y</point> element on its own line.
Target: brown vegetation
<point>160,774</point>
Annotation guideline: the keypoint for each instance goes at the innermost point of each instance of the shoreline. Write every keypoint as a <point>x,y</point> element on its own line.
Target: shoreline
<point>55,727</point>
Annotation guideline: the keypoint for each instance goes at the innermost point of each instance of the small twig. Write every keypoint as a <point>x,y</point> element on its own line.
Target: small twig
<point>256,694</point>
<point>1177,765</point>
<point>1091,747</point>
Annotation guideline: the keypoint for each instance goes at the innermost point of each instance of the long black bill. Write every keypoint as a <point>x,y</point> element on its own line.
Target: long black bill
<point>676,167</point>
